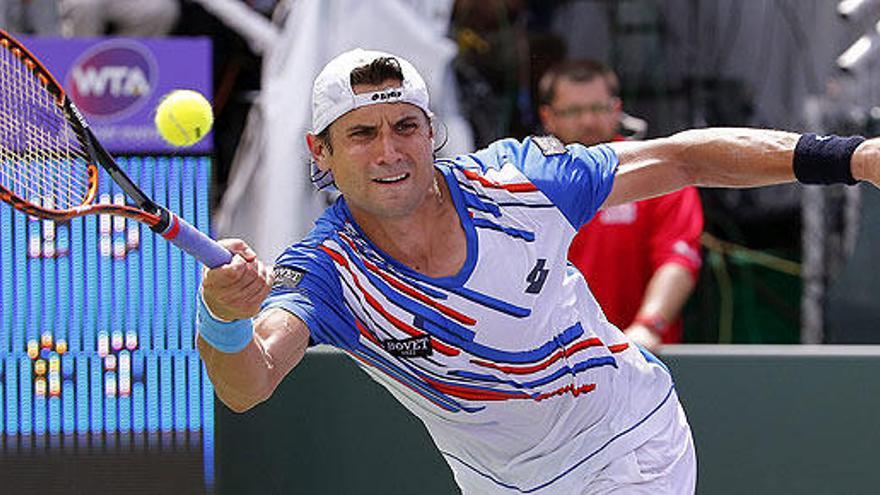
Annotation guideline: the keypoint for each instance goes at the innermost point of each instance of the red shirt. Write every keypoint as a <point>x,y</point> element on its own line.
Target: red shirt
<point>619,250</point>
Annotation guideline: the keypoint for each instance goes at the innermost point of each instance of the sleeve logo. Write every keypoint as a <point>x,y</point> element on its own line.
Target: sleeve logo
<point>549,145</point>
<point>287,277</point>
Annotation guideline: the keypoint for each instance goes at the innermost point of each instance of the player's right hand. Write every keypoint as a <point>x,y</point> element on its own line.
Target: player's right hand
<point>236,290</point>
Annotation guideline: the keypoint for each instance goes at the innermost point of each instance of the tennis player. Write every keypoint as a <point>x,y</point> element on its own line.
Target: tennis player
<point>447,281</point>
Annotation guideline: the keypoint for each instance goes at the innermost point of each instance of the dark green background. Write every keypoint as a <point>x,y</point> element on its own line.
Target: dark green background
<point>764,423</point>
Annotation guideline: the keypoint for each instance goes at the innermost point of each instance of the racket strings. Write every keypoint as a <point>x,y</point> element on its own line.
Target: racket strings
<point>41,158</point>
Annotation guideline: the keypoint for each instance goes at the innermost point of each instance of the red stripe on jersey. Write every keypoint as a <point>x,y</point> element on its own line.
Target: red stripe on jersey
<point>469,393</point>
<point>516,187</point>
<point>467,320</point>
<point>568,388</point>
<point>366,333</point>
<point>523,370</point>
<point>618,348</point>
<point>440,347</point>
<point>398,380</point>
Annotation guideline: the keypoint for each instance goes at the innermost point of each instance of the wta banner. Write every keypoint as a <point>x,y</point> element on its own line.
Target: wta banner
<point>118,82</point>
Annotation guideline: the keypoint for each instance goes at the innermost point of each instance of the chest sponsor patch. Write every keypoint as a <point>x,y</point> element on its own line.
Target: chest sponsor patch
<point>549,145</point>
<point>287,277</point>
<point>624,214</point>
<point>409,348</point>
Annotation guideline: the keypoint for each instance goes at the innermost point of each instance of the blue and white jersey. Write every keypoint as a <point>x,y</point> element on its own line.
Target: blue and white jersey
<point>521,381</point>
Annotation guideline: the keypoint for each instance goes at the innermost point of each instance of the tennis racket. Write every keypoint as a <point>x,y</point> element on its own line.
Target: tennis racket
<point>49,158</point>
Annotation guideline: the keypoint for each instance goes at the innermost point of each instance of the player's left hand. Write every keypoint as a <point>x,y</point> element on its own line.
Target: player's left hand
<point>866,162</point>
<point>642,335</point>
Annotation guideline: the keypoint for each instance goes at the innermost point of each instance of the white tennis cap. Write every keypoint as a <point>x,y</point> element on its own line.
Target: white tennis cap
<point>332,95</point>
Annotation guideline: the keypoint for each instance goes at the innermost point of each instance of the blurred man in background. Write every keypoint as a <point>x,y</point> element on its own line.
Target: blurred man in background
<point>641,259</point>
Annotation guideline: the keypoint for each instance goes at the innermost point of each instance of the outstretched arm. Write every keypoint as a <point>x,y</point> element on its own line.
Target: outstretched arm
<point>723,157</point>
<point>246,378</point>
<point>277,342</point>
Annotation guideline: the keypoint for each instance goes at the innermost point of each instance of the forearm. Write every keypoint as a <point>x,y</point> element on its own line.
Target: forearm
<point>667,292</point>
<point>245,378</point>
<point>241,380</point>
<point>735,157</point>
<point>721,157</point>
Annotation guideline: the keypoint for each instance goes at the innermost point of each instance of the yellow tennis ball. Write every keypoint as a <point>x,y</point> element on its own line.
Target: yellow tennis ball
<point>183,117</point>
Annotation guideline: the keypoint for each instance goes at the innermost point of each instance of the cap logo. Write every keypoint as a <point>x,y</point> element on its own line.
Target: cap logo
<point>387,95</point>
<point>333,94</point>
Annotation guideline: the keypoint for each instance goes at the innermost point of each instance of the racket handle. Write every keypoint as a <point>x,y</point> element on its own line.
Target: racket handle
<point>188,238</point>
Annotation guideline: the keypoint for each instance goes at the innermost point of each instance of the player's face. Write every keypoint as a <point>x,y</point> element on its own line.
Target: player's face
<point>382,158</point>
<point>582,112</point>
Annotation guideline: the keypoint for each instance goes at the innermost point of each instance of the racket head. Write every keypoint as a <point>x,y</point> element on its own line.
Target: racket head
<point>47,167</point>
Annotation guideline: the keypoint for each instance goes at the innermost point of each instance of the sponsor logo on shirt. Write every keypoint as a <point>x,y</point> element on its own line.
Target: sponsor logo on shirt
<point>409,348</point>
<point>287,277</point>
<point>549,145</point>
<point>684,249</point>
<point>619,215</point>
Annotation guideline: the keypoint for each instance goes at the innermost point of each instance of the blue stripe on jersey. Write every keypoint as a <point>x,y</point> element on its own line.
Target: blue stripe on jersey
<point>403,377</point>
<point>525,205</point>
<point>464,274</point>
<point>317,299</point>
<point>476,202</point>
<point>446,337</point>
<point>470,386</point>
<point>487,224</point>
<point>446,330</point>
<point>491,302</point>
<point>651,358</point>
<point>468,189</point>
<point>577,182</point>
<point>418,378</point>
<point>561,372</point>
<point>416,284</point>
<point>515,357</point>
<point>418,309</point>
<point>424,289</point>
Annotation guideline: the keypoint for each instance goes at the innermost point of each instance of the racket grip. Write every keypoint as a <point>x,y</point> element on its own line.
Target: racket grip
<point>188,238</point>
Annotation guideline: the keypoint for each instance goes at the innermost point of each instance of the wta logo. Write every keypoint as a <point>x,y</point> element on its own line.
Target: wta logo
<point>112,80</point>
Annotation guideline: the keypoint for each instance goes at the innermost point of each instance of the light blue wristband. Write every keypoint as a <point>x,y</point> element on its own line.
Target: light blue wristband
<point>229,337</point>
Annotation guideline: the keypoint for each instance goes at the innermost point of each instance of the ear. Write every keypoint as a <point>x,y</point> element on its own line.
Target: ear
<point>616,105</point>
<point>432,123</point>
<point>545,113</point>
<point>319,151</point>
